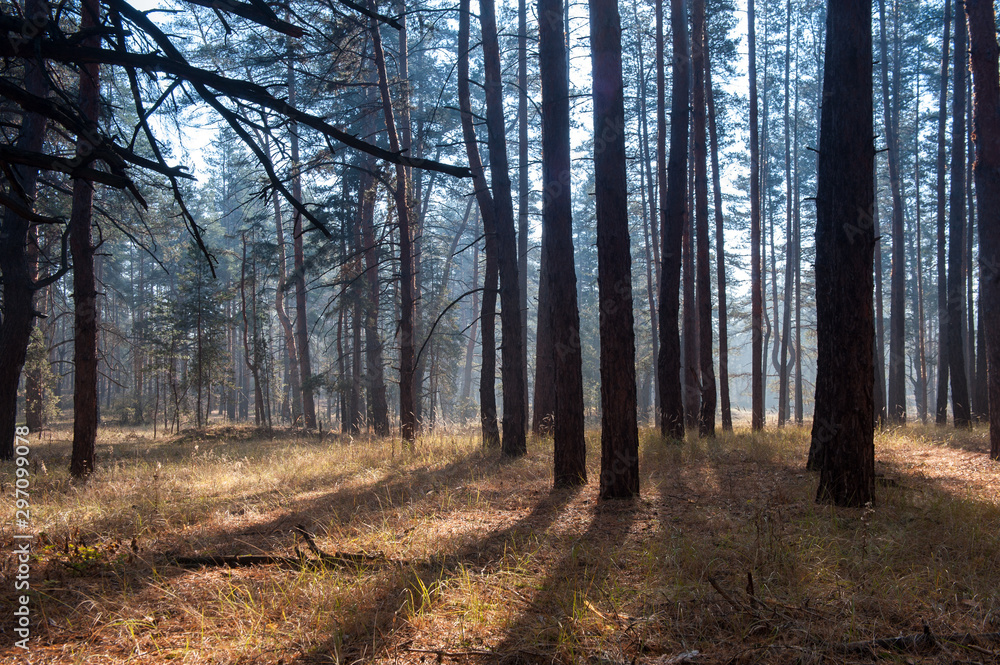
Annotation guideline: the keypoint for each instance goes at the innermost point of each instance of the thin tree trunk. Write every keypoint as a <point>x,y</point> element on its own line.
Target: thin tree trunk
<point>706,419</point>
<point>514,421</point>
<point>619,429</point>
<point>845,237</point>
<point>487,377</point>
<point>407,364</point>
<point>649,222</point>
<point>522,185</point>
<point>896,397</point>
<point>84,284</point>
<point>558,264</point>
<point>689,338</point>
<point>18,286</point>
<point>921,387</point>
<point>378,403</point>
<point>720,253</point>
<point>956,232</point>
<point>673,212</point>
<point>941,408</point>
<point>470,348</point>
<point>786,306</point>
<point>986,129</point>
<point>298,254</point>
<point>756,289</point>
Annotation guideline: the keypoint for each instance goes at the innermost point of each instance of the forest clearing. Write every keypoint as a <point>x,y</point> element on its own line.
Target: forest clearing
<point>475,558</point>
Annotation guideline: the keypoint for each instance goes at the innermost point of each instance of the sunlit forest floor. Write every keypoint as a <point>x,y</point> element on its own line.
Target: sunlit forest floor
<point>476,559</point>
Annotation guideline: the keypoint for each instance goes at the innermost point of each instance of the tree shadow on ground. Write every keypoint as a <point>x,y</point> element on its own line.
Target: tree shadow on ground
<point>380,617</point>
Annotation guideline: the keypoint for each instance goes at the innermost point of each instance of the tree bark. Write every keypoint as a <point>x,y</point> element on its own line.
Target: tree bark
<point>845,238</point>
<point>706,416</point>
<point>514,422</point>
<point>941,407</point>
<point>487,376</point>
<point>299,266</point>
<point>896,397</point>
<point>756,289</point>
<point>523,188</point>
<point>986,130</point>
<point>558,262</point>
<point>786,305</point>
<point>673,213</point>
<point>956,232</point>
<point>84,284</point>
<point>18,287</point>
<point>377,402</point>
<point>720,253</point>
<point>407,360</point>
<point>619,429</point>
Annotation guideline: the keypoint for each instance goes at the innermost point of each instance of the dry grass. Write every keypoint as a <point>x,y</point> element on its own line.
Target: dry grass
<point>490,565</point>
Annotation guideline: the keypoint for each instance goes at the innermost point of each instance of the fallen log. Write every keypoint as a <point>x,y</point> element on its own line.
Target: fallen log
<point>918,641</point>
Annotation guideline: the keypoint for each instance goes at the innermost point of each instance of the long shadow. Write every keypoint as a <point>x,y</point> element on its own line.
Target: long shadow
<point>380,619</point>
<point>350,505</point>
<point>588,562</point>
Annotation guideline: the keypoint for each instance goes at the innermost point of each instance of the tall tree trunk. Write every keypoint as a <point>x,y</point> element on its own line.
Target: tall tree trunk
<point>522,185</point>
<point>881,412</point>
<point>756,289</point>
<point>650,241</point>
<point>299,268</point>
<point>514,422</point>
<point>920,388</point>
<point>470,348</point>
<point>956,232</point>
<point>619,429</point>
<point>487,377</point>
<point>986,130</point>
<point>786,305</point>
<point>941,407</point>
<point>15,260</point>
<point>845,238</point>
<point>896,398</point>
<point>720,252</point>
<point>706,418</point>
<point>378,403</point>
<point>543,414</point>
<point>558,264</point>
<point>673,213</point>
<point>407,388</point>
<point>84,283</point>
<point>689,338</point>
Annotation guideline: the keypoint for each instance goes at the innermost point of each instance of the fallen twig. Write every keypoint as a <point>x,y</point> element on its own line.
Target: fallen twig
<point>922,640</point>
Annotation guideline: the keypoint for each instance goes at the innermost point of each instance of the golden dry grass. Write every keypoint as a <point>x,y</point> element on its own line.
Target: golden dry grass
<point>488,564</point>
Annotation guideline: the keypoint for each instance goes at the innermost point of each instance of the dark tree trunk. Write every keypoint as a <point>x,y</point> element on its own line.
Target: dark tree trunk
<point>896,397</point>
<point>689,338</point>
<point>523,186</point>
<point>956,232</point>
<point>921,385</point>
<point>720,252</point>
<point>673,213</point>
<point>756,289</point>
<point>15,261</point>
<point>407,360</point>
<point>650,240</point>
<point>786,304</point>
<point>619,429</point>
<point>706,361</point>
<point>941,407</point>
<point>299,274</point>
<point>84,283</point>
<point>377,402</point>
<point>558,262</point>
<point>543,415</point>
<point>845,237</point>
<point>487,377</point>
<point>513,374</point>
<point>986,130</point>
